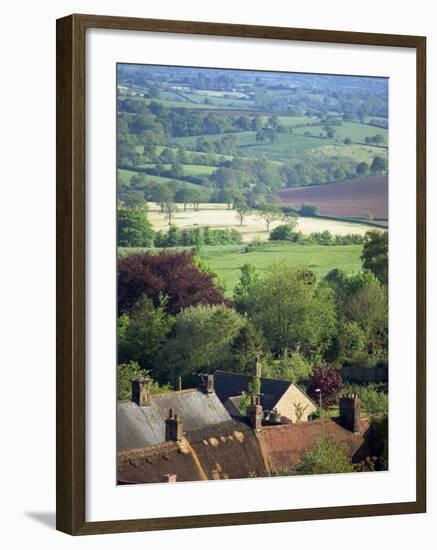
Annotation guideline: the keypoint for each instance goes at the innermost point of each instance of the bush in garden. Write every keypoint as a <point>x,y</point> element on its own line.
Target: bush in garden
<point>327,379</point>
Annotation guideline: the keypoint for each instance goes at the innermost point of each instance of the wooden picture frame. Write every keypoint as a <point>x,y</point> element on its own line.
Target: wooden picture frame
<point>71,254</point>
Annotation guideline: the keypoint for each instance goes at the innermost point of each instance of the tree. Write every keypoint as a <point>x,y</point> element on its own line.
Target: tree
<point>326,457</point>
<point>133,228</point>
<point>248,344</point>
<point>379,165</point>
<point>173,274</point>
<point>201,342</point>
<point>328,380</point>
<point>241,208</point>
<point>184,196</point>
<point>362,168</point>
<point>162,193</point>
<point>375,254</point>
<point>170,208</point>
<point>283,233</point>
<point>176,170</point>
<point>144,332</point>
<point>293,367</point>
<point>293,309</point>
<point>309,210</point>
<point>131,371</point>
<point>248,278</point>
<point>368,307</point>
<point>368,216</point>
<point>268,213</point>
<point>351,340</point>
<point>291,220</point>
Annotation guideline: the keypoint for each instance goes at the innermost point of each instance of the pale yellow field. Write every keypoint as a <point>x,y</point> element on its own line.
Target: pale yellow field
<point>219,217</point>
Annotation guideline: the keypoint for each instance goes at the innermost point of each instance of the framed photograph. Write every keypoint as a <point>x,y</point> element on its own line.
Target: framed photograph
<point>240,274</point>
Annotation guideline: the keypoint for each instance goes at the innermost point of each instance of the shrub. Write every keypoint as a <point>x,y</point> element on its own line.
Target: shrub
<point>328,380</point>
<point>284,233</point>
<point>309,210</point>
<point>174,274</point>
<point>130,371</point>
<point>326,457</point>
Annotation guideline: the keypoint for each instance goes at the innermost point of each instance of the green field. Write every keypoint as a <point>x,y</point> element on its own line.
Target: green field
<point>353,130</point>
<point>226,260</point>
<point>189,169</point>
<point>124,176</point>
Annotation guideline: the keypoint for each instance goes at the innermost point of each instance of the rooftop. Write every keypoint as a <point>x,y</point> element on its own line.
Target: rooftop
<point>142,426</point>
<point>231,384</point>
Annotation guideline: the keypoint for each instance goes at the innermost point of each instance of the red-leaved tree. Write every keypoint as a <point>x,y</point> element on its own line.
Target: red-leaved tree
<point>327,379</point>
<point>172,274</point>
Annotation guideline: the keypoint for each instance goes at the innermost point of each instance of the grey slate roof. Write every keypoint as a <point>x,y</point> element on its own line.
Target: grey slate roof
<point>232,384</point>
<point>142,426</point>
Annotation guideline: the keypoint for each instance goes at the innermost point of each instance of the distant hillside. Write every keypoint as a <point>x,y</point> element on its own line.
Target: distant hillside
<point>349,198</point>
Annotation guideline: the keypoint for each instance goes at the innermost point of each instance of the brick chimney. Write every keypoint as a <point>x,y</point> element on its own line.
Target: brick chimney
<point>173,427</point>
<point>350,412</point>
<point>255,412</point>
<point>258,367</point>
<point>169,478</point>
<point>141,391</point>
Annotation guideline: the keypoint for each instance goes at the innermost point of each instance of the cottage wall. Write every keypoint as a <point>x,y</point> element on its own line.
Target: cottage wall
<point>294,400</point>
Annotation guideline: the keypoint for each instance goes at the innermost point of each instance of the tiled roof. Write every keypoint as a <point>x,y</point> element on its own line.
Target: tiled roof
<point>149,464</point>
<point>286,444</point>
<point>141,426</point>
<point>229,450</point>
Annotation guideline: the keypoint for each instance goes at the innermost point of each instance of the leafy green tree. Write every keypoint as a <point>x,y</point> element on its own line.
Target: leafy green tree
<point>293,367</point>
<point>176,170</point>
<point>268,213</point>
<point>126,372</point>
<point>368,307</point>
<point>362,168</point>
<point>201,341</point>
<point>248,344</point>
<point>248,278</point>
<point>326,457</point>
<point>142,333</point>
<point>351,340</point>
<point>309,210</point>
<point>241,208</point>
<point>293,309</point>
<point>133,228</point>
<point>284,233</point>
<point>375,254</point>
<point>379,165</point>
<point>170,208</point>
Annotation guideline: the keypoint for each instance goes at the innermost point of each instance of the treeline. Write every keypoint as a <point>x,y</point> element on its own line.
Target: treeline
<point>286,233</point>
<point>196,237</point>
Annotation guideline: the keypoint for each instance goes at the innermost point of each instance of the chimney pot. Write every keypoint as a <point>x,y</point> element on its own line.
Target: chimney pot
<point>210,384</point>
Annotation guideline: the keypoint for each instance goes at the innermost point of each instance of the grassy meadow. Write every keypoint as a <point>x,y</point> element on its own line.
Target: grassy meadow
<point>226,260</point>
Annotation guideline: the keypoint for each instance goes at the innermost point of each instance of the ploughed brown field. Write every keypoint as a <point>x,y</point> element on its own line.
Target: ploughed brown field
<point>349,198</point>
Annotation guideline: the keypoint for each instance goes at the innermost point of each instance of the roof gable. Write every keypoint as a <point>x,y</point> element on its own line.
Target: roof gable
<point>232,384</point>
